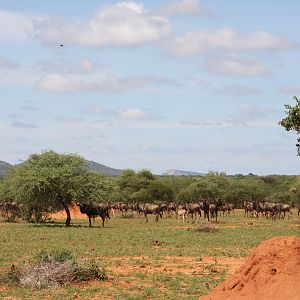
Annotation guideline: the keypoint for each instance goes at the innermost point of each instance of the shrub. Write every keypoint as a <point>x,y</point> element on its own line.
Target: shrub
<point>52,270</point>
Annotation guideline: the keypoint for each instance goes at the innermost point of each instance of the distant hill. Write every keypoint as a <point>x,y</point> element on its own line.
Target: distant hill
<point>173,172</point>
<point>4,167</point>
<point>99,168</point>
<point>93,166</point>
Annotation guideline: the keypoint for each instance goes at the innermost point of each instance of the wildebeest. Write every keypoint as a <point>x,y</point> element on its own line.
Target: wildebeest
<point>152,209</point>
<point>181,213</point>
<point>214,208</point>
<point>92,211</point>
<point>205,206</point>
<point>193,209</point>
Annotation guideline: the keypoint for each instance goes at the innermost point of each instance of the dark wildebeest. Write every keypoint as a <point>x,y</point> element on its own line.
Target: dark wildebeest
<point>193,209</point>
<point>205,206</point>
<point>282,209</point>
<point>152,209</point>
<point>214,208</point>
<point>92,211</point>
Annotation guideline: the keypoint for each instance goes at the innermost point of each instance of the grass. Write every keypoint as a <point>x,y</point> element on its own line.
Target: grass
<point>135,267</point>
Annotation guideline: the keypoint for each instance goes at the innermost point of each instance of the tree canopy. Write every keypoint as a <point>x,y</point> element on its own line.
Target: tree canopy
<point>292,121</point>
<point>55,180</point>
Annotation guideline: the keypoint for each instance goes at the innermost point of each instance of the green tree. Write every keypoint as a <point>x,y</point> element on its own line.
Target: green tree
<point>157,191</point>
<point>54,180</point>
<point>131,182</point>
<point>292,121</point>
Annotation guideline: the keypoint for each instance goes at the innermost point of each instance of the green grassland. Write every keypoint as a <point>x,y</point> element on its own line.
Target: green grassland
<point>136,268</point>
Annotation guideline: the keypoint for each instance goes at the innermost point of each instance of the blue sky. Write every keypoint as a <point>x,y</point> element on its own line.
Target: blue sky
<point>182,84</point>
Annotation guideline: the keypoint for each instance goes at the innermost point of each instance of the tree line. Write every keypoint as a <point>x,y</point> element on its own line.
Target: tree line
<point>49,182</point>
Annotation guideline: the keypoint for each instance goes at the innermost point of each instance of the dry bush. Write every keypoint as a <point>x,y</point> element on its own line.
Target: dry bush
<point>51,271</point>
<point>204,228</point>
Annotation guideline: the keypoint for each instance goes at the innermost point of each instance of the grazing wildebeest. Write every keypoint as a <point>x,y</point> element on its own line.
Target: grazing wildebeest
<point>139,207</point>
<point>163,207</point>
<point>181,213</point>
<point>171,209</point>
<point>214,208</point>
<point>205,206</point>
<point>92,211</point>
<point>194,209</point>
<point>283,208</point>
<point>152,209</point>
<point>250,208</point>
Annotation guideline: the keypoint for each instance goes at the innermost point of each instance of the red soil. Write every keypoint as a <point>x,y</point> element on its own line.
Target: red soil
<point>272,272</point>
<point>75,213</point>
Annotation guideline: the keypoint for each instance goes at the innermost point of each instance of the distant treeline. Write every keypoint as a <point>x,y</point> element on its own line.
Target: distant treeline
<point>49,182</point>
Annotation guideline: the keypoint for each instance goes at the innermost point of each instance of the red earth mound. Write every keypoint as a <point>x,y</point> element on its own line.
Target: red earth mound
<point>272,272</point>
<point>74,210</point>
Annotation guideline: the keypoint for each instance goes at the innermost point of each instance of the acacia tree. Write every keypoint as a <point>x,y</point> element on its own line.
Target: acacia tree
<point>54,180</point>
<point>292,121</point>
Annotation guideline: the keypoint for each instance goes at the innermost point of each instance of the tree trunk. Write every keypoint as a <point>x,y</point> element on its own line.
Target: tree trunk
<point>68,220</point>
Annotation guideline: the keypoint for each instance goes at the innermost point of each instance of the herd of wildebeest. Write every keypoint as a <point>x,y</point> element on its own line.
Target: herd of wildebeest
<point>183,211</point>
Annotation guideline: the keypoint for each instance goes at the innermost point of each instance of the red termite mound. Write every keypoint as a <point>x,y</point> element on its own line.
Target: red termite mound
<point>272,272</point>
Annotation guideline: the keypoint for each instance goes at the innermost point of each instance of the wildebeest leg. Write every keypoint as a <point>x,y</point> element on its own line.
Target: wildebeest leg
<point>145,213</point>
<point>90,221</point>
<point>103,219</point>
<point>156,217</point>
<point>216,215</point>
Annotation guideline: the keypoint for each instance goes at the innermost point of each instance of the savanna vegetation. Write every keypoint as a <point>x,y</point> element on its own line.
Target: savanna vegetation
<point>49,182</point>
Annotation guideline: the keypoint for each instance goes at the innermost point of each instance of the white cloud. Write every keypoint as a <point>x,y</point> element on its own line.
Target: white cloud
<point>237,66</point>
<point>136,114</point>
<point>224,39</point>
<point>6,63</point>
<point>128,113</point>
<point>99,82</point>
<point>183,7</point>
<point>121,24</point>
<point>15,27</point>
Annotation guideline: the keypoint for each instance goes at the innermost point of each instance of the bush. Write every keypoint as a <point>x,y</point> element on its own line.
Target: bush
<point>52,270</point>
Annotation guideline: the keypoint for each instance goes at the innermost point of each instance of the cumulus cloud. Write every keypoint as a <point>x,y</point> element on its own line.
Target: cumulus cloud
<point>183,7</point>
<point>16,27</point>
<point>237,66</point>
<point>225,39</point>
<point>121,24</point>
<point>6,63</point>
<point>102,82</point>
